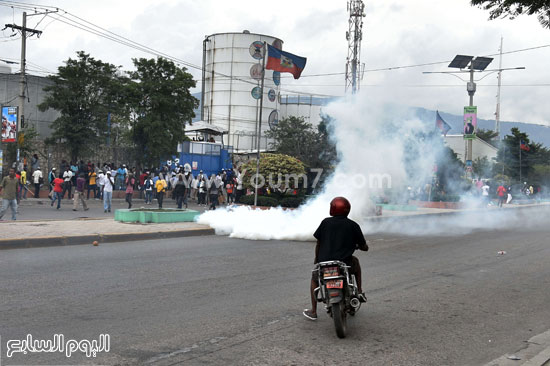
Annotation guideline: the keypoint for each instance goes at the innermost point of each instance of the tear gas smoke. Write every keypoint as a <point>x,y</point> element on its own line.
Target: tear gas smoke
<point>382,150</point>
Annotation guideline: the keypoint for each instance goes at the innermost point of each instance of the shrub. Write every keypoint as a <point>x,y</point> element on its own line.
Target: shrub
<point>262,201</point>
<point>292,202</point>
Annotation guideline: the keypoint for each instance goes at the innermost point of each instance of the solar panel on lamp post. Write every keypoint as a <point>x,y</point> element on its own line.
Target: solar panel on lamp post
<point>479,63</point>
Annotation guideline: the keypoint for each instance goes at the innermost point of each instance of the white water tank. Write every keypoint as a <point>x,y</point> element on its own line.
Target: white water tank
<point>231,83</point>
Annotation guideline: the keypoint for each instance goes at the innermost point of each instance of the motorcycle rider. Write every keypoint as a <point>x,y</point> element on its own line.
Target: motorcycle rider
<point>337,238</point>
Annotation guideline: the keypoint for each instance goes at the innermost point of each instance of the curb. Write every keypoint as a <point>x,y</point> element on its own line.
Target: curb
<point>53,241</point>
<point>452,213</point>
<point>536,353</point>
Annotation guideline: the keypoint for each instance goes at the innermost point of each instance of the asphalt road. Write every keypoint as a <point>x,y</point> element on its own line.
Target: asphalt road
<point>212,300</point>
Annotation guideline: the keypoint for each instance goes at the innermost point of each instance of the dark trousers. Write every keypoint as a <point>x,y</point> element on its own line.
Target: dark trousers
<point>239,195</point>
<point>93,188</point>
<point>67,187</point>
<point>213,201</point>
<point>160,197</point>
<point>129,199</point>
<point>179,201</point>
<point>36,190</point>
<point>202,198</point>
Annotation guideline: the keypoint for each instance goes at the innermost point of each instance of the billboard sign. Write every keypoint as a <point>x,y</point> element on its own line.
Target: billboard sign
<point>9,124</point>
<point>470,122</point>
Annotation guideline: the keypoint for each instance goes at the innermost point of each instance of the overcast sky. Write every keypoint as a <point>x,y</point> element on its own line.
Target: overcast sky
<point>395,33</point>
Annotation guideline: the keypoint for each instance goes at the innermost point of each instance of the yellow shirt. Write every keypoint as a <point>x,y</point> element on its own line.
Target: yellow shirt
<point>92,176</point>
<point>23,177</point>
<point>161,185</point>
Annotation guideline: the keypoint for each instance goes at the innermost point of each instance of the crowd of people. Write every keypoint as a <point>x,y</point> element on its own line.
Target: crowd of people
<point>80,182</point>
<point>99,181</point>
<point>487,190</point>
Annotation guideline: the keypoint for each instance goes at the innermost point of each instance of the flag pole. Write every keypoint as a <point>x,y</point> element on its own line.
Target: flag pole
<point>259,128</point>
<point>520,178</point>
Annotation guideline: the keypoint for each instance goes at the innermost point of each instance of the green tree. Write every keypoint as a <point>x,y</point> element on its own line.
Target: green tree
<point>295,137</point>
<point>161,105</point>
<point>540,174</point>
<point>514,8</point>
<point>482,167</point>
<point>487,136</point>
<point>26,142</point>
<point>84,91</point>
<point>511,159</point>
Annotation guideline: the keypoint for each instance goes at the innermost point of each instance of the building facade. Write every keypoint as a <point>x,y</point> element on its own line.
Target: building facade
<point>480,148</point>
<point>10,85</point>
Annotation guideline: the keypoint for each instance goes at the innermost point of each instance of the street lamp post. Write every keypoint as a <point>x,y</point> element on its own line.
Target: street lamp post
<point>479,64</point>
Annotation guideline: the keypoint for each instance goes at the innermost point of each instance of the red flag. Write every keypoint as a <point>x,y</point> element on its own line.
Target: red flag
<point>524,146</point>
<point>284,62</point>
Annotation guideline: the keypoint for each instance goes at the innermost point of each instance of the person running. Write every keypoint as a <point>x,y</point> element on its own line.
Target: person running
<point>59,184</point>
<point>51,178</point>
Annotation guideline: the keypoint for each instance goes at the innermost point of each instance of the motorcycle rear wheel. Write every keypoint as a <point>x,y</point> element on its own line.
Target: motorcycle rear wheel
<point>339,316</point>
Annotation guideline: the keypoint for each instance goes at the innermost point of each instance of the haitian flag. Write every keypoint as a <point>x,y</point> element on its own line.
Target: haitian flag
<point>284,62</point>
<point>441,124</point>
<point>523,146</point>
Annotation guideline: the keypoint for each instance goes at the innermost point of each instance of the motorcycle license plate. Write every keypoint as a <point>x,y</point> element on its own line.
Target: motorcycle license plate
<point>335,284</point>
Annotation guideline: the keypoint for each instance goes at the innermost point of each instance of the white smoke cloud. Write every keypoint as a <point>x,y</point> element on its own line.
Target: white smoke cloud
<point>371,143</point>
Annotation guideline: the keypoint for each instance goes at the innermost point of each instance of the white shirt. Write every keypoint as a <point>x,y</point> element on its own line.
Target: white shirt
<point>36,176</point>
<point>108,186</point>
<point>485,190</point>
<point>67,175</point>
<point>239,181</point>
<point>100,178</point>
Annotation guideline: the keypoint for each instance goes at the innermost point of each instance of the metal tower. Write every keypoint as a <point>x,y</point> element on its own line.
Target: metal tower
<point>354,36</point>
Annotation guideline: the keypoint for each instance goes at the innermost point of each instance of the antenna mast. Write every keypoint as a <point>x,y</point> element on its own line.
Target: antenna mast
<point>354,36</point>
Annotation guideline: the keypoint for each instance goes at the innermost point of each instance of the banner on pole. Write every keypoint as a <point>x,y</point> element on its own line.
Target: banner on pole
<point>470,122</point>
<point>9,124</point>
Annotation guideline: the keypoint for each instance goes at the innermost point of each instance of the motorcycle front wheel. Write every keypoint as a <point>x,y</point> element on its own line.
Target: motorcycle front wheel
<point>339,316</point>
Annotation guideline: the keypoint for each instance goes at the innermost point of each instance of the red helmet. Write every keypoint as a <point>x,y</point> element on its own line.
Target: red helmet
<point>339,206</point>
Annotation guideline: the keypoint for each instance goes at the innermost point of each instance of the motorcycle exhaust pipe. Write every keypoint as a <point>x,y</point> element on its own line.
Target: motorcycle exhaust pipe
<point>355,303</point>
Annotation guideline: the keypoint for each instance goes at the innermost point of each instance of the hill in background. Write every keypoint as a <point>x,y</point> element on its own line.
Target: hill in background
<point>537,133</point>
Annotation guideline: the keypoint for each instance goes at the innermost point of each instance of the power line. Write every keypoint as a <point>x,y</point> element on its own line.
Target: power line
<point>87,26</point>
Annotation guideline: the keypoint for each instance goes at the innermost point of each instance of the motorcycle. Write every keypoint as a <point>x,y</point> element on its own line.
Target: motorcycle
<point>338,291</point>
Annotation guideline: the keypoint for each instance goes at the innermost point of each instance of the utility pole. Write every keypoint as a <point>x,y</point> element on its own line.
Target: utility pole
<point>354,35</point>
<point>23,82</point>
<point>497,113</point>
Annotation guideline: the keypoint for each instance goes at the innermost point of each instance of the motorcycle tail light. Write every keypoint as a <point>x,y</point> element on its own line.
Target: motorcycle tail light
<point>330,271</point>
